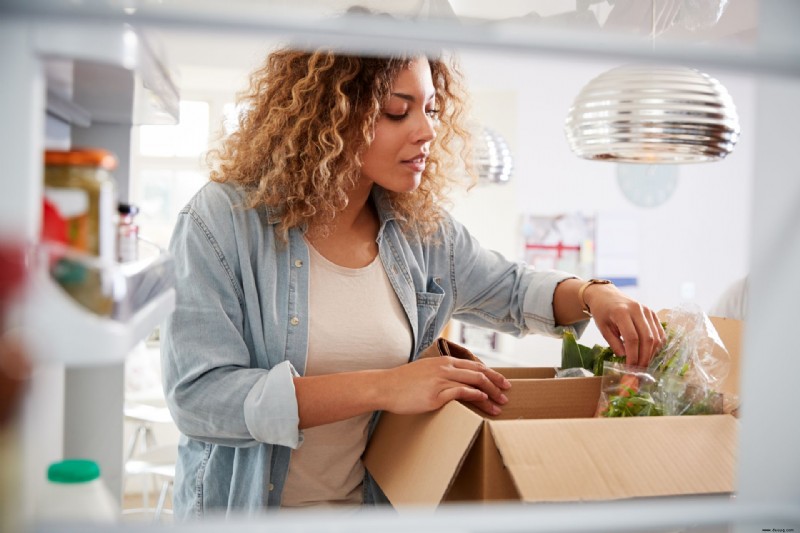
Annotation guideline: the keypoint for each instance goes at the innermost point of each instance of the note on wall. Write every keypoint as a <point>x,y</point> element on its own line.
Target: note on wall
<point>617,251</point>
<point>561,242</point>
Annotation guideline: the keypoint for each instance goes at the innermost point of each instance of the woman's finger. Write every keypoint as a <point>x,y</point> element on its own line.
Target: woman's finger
<point>463,393</point>
<point>473,396</point>
<point>488,407</point>
<point>478,380</point>
<point>662,335</point>
<point>647,333</point>
<point>630,339</point>
<point>494,376</point>
<point>612,336</point>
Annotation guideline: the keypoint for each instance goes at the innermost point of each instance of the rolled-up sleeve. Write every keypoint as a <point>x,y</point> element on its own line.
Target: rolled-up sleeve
<point>270,409</point>
<point>494,292</point>
<point>214,387</point>
<point>538,308</point>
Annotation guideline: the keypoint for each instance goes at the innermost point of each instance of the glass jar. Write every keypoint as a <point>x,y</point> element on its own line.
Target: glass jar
<point>80,186</point>
<point>81,192</point>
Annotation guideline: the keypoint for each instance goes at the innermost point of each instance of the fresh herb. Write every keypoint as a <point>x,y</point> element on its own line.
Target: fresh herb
<point>632,404</point>
<point>576,355</point>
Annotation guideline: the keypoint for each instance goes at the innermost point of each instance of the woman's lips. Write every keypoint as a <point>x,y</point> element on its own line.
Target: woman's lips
<point>417,164</point>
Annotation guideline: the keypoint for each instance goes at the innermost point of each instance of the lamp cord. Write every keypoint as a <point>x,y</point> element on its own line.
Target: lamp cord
<point>653,31</point>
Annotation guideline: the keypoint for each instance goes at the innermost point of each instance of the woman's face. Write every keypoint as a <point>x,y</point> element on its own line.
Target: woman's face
<point>403,133</point>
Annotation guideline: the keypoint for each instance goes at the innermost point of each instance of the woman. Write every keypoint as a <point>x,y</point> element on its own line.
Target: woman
<point>314,269</point>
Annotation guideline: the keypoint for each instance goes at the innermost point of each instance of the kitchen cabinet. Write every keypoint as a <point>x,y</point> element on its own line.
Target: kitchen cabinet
<point>769,467</point>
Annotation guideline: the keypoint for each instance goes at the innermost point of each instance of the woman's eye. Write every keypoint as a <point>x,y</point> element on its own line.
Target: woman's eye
<point>395,116</point>
<point>430,113</point>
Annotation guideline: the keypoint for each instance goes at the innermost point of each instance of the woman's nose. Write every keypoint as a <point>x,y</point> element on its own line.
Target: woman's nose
<point>425,129</point>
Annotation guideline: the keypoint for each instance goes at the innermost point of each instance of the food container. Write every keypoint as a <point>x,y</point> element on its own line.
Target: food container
<point>80,191</point>
<point>79,184</point>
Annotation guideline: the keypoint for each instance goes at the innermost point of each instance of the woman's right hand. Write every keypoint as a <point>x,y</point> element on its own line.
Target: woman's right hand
<point>429,383</point>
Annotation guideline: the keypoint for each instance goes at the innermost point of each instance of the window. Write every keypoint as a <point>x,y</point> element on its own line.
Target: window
<point>188,138</point>
<point>168,165</point>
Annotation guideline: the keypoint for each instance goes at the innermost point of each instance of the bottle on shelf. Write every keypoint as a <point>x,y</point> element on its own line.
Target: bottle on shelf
<point>74,493</point>
<point>127,233</point>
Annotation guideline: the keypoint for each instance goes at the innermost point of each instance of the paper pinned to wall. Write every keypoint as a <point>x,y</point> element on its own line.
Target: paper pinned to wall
<point>561,242</point>
<point>617,251</point>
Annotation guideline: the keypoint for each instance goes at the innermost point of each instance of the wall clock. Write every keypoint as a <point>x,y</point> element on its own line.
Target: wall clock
<point>647,185</point>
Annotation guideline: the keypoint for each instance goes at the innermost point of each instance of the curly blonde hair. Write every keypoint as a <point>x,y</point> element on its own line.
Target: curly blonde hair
<point>308,118</point>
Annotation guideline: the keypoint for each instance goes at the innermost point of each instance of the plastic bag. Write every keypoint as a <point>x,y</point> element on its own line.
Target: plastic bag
<point>693,349</point>
<point>576,372</point>
<point>683,378</point>
<point>631,391</point>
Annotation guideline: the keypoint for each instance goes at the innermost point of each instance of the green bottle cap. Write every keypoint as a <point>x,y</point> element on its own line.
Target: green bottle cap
<point>73,471</point>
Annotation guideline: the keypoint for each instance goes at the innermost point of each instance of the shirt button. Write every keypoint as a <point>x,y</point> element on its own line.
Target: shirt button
<point>294,321</point>
<point>298,263</point>
<point>271,487</point>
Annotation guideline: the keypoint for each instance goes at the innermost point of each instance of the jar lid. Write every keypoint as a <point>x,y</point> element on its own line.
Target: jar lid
<point>73,471</point>
<point>127,209</point>
<point>87,157</point>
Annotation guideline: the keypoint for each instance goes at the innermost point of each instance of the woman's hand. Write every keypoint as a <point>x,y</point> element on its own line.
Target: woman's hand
<point>429,383</point>
<point>630,328</point>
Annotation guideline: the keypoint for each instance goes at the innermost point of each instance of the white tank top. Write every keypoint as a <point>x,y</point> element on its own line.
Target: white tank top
<point>356,322</point>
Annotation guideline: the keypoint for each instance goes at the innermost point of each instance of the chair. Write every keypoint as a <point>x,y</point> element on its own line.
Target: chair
<point>144,456</point>
<point>144,415</point>
<point>159,462</point>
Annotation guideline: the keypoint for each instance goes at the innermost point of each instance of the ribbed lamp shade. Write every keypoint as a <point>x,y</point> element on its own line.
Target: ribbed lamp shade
<point>493,161</point>
<point>653,114</point>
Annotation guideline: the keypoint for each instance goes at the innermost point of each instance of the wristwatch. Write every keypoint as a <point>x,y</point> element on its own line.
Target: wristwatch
<point>585,286</point>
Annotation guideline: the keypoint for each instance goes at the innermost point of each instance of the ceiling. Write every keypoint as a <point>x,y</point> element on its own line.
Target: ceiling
<point>720,22</point>
<point>695,20</point>
<point>688,20</point>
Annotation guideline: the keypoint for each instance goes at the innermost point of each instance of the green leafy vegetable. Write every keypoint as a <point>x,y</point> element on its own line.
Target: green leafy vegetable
<point>576,355</point>
<point>632,404</point>
<point>573,354</point>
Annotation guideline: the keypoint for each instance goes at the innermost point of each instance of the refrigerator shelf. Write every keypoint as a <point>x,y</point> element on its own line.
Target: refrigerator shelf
<point>82,312</point>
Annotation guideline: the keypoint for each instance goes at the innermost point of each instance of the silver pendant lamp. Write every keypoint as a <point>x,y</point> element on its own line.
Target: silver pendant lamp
<point>492,156</point>
<point>653,114</point>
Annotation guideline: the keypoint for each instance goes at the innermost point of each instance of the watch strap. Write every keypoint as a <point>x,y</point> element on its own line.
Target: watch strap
<point>586,285</point>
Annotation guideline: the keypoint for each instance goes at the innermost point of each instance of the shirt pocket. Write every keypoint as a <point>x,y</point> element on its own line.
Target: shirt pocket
<point>428,304</point>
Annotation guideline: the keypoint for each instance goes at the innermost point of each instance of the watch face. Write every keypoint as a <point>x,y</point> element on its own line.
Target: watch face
<point>647,185</point>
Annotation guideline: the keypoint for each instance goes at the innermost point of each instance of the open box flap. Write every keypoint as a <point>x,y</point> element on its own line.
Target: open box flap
<point>590,459</point>
<point>414,459</point>
<point>551,398</point>
<point>730,331</point>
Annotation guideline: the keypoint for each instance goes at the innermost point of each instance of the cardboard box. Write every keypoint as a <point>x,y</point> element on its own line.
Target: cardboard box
<point>548,447</point>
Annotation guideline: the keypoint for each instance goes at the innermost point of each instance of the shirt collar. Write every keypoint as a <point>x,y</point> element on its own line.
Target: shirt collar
<point>383,205</point>
<point>274,214</point>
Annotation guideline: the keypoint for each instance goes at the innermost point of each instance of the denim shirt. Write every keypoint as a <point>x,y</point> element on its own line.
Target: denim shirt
<point>239,335</point>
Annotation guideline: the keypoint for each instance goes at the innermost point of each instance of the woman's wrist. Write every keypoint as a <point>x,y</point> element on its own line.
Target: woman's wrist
<point>587,291</point>
<point>377,389</point>
<point>566,305</point>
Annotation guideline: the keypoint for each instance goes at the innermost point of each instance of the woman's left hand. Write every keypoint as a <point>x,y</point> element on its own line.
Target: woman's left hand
<point>630,328</point>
